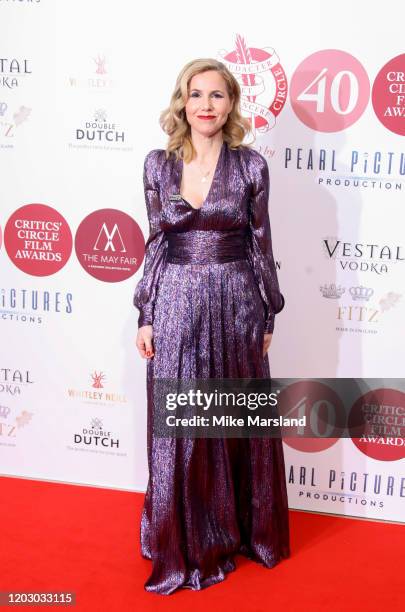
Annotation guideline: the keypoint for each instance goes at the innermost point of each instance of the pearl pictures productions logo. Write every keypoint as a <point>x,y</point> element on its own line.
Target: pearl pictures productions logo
<point>30,305</point>
<point>355,169</point>
<point>262,80</point>
<point>109,245</point>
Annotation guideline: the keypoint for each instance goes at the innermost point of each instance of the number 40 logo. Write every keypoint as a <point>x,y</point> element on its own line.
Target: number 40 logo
<point>329,90</point>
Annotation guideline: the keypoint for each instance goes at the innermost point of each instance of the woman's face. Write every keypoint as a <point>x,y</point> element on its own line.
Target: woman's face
<point>207,97</point>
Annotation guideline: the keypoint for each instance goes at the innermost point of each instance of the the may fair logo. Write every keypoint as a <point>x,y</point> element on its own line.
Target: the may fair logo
<point>11,423</point>
<point>356,169</point>
<point>13,72</point>
<point>14,382</point>
<point>95,393</point>
<point>101,133</point>
<point>262,81</point>
<point>10,121</point>
<point>94,75</point>
<point>363,256</point>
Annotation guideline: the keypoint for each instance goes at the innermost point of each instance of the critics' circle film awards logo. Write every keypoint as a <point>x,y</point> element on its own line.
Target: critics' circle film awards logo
<point>329,90</point>
<point>109,245</point>
<point>38,239</point>
<point>262,81</point>
<point>389,95</point>
<point>379,416</point>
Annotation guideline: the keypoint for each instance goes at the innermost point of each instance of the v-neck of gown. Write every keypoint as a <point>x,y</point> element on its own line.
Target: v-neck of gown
<point>180,176</point>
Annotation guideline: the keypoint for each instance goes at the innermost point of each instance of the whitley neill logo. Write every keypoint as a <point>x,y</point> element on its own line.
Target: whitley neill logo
<point>262,80</point>
<point>95,393</point>
<point>94,74</point>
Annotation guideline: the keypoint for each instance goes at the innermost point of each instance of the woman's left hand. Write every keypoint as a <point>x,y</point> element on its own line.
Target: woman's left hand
<point>266,343</point>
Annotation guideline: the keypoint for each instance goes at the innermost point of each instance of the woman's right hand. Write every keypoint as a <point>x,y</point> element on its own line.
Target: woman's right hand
<point>144,341</point>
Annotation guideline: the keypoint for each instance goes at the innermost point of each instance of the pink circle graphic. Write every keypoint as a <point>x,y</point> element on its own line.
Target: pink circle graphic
<point>329,90</point>
<point>109,245</point>
<point>380,415</point>
<point>324,415</point>
<point>38,239</point>
<point>388,95</point>
<point>262,80</point>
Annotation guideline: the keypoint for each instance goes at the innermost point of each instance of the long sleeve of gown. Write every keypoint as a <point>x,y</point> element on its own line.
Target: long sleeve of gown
<point>156,244</point>
<point>260,252</point>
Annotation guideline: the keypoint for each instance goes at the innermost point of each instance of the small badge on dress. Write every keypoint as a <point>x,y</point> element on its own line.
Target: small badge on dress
<point>175,196</point>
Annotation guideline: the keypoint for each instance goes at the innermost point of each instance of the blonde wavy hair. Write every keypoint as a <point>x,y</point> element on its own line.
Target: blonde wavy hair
<point>173,119</point>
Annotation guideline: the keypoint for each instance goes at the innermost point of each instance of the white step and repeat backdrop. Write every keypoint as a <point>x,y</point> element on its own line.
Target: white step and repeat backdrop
<point>81,88</point>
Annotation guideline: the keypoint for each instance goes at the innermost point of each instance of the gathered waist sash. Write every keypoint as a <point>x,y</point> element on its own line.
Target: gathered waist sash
<point>206,246</point>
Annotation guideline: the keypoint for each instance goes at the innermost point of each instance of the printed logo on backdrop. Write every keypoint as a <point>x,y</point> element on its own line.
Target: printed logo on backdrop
<point>262,80</point>
<point>11,119</point>
<point>389,95</point>
<point>14,382</point>
<point>96,438</point>
<point>361,308</point>
<point>100,132</point>
<point>38,239</point>
<point>357,169</point>
<point>109,245</point>
<point>322,481</point>
<point>363,256</point>
<point>323,411</point>
<point>92,393</point>
<point>93,74</point>
<point>383,410</point>
<point>344,491</point>
<point>329,90</point>
<point>12,423</point>
<point>14,72</point>
<point>21,305</point>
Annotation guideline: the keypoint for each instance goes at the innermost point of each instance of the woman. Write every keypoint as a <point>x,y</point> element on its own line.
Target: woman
<point>207,302</point>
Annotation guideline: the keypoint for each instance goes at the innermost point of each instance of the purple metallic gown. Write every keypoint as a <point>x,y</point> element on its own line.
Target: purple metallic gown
<point>210,290</point>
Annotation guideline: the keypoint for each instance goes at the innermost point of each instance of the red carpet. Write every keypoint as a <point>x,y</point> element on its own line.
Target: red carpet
<point>74,538</point>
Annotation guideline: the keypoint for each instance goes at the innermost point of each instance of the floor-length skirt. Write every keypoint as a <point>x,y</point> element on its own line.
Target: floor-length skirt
<point>209,499</point>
